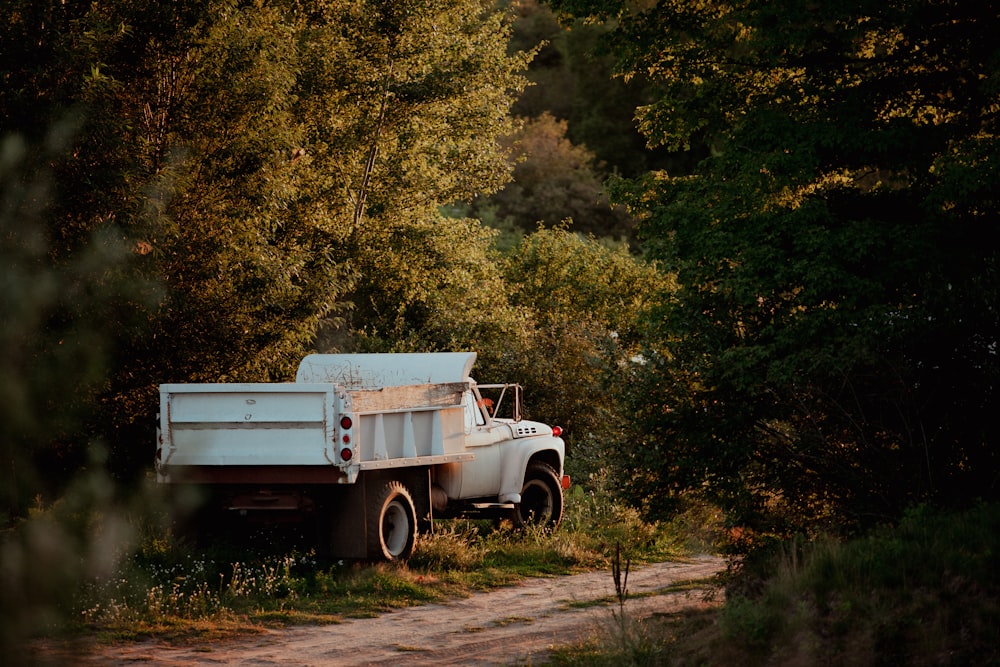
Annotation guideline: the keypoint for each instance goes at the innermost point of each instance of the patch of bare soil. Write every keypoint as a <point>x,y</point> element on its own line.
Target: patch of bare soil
<point>517,624</point>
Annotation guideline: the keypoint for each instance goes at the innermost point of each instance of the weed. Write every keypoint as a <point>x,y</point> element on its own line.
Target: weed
<point>621,582</point>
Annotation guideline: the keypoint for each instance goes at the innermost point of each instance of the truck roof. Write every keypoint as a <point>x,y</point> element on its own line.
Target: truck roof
<point>371,371</point>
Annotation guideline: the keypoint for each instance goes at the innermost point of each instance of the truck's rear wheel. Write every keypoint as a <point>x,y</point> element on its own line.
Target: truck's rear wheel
<point>392,523</point>
<point>541,497</point>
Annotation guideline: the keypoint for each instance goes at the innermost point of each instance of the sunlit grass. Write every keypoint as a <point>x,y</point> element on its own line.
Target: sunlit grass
<point>171,591</point>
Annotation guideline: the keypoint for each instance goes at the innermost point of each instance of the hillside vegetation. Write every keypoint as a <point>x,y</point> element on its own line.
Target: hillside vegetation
<point>742,252</point>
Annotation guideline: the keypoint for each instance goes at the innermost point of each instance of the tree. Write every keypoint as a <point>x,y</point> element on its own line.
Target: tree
<point>438,85</point>
<point>260,160</point>
<point>830,355</point>
<point>573,80</point>
<point>201,153</point>
<point>555,181</point>
<point>583,302</point>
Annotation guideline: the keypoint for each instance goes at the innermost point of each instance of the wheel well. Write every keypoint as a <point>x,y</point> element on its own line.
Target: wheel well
<point>549,456</point>
<point>417,481</point>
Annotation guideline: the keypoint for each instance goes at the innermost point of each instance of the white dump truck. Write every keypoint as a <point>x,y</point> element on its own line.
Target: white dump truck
<point>366,448</point>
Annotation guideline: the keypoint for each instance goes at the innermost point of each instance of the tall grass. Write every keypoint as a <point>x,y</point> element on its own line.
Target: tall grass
<point>923,592</point>
<point>165,587</point>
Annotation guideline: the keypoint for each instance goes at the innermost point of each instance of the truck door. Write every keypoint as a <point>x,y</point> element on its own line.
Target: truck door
<point>483,435</point>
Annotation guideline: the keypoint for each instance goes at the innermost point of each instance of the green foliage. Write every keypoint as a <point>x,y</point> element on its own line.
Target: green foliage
<point>61,323</point>
<point>583,300</point>
<point>444,84</point>
<point>272,170</point>
<point>836,282</point>
<point>554,182</point>
<point>432,286</point>
<point>905,595</point>
<point>611,525</point>
<point>62,318</point>
<point>184,141</point>
<point>575,80</point>
<point>578,127</point>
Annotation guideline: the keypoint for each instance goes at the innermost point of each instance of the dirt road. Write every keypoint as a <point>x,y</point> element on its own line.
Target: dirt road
<point>518,624</point>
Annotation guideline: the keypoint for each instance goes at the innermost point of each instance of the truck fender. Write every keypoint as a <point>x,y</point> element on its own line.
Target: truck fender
<point>515,463</point>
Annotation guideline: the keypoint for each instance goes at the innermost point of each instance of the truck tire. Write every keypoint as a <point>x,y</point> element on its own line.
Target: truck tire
<point>541,498</point>
<point>392,523</point>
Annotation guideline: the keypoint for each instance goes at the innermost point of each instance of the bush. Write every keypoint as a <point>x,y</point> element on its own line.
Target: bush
<point>922,592</point>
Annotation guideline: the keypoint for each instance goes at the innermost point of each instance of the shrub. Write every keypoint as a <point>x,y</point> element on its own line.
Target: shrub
<point>915,593</point>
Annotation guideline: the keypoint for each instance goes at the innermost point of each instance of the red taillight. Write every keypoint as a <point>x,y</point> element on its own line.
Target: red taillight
<point>345,437</point>
<point>557,431</point>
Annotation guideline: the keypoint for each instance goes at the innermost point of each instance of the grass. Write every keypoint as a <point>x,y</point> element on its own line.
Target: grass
<point>923,592</point>
<point>175,593</point>
<point>247,595</point>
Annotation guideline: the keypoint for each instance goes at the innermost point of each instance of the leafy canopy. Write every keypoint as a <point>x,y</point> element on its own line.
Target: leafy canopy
<point>831,354</point>
<point>273,168</point>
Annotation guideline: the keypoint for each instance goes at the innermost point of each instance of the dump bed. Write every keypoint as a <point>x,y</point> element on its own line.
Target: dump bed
<point>212,429</point>
<point>406,425</point>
